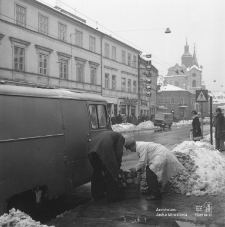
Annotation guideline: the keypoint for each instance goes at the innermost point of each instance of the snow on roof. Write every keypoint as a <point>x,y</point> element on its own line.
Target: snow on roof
<point>179,75</point>
<point>170,87</point>
<point>194,67</point>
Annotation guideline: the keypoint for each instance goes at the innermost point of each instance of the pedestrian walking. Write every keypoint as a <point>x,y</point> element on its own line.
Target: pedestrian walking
<point>160,164</point>
<point>113,119</point>
<point>219,123</point>
<point>196,126</point>
<point>105,155</point>
<point>119,118</point>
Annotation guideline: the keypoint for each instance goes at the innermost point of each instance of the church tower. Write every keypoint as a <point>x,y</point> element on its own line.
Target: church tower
<point>186,58</point>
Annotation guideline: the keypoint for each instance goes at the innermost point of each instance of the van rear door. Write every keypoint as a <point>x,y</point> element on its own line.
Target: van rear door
<point>77,131</point>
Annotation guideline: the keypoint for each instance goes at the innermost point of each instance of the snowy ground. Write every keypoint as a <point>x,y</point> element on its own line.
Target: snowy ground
<point>128,127</point>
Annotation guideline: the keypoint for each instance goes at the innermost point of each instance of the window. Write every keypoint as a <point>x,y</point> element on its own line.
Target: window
<point>19,58</point>
<point>129,59</point>
<point>193,102</point>
<point>80,72</point>
<point>123,109</point>
<point>92,44</point>
<point>123,84</point>
<point>79,38</point>
<point>133,110</point>
<point>113,82</point>
<point>98,116</point>
<point>63,65</point>
<point>43,24</point>
<point>20,15</point>
<point>93,76</point>
<point>113,53</point>
<point>172,100</point>
<point>43,59</point>
<point>101,116</point>
<point>19,53</point>
<point>43,64</point>
<point>129,85</point>
<point>62,31</point>
<point>134,61</point>
<point>194,83</point>
<point>106,50</point>
<point>181,101</point>
<point>93,116</point>
<point>107,81</point>
<point>123,57</point>
<point>134,87</point>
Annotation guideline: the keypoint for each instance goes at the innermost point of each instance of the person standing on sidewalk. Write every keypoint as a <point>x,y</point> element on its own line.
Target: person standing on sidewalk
<point>160,164</point>
<point>105,155</point>
<point>219,123</point>
<point>196,126</point>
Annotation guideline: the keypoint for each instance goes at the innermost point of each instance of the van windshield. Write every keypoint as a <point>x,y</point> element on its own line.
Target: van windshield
<point>159,116</point>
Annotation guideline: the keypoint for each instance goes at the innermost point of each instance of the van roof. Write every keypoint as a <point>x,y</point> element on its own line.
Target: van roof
<point>47,93</point>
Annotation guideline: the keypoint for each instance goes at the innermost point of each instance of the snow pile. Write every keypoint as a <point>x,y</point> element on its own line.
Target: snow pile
<point>146,125</point>
<point>18,219</point>
<point>204,173</point>
<point>182,123</point>
<point>127,127</point>
<point>124,127</point>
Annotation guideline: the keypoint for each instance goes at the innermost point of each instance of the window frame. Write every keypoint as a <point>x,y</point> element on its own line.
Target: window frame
<point>173,100</point>
<point>123,57</point>
<point>114,53</point>
<point>129,59</point>
<point>114,82</point>
<point>129,84</point>
<point>47,25</point>
<point>20,44</point>
<point>134,61</point>
<point>46,52</point>
<point>64,38</point>
<point>106,50</point>
<point>64,58</point>
<point>134,87</point>
<point>123,88</point>
<point>17,22</point>
<point>107,81</point>
<point>78,38</point>
<point>97,118</point>
<point>92,45</point>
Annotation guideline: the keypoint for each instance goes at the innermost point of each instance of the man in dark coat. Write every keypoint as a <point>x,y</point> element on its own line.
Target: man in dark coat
<point>119,118</point>
<point>197,132</point>
<point>105,155</point>
<point>219,123</point>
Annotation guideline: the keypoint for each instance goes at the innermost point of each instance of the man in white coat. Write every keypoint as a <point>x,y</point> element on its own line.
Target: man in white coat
<point>160,163</point>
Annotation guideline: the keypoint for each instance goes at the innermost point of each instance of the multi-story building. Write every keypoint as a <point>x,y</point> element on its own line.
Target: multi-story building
<point>176,99</point>
<point>50,47</point>
<point>147,100</point>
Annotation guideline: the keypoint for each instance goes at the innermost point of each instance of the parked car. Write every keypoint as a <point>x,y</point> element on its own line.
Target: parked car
<point>163,120</point>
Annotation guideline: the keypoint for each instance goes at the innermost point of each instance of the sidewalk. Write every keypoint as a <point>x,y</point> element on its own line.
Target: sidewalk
<point>173,210</point>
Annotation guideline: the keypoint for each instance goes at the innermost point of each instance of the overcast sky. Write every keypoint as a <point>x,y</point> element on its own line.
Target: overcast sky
<point>142,24</point>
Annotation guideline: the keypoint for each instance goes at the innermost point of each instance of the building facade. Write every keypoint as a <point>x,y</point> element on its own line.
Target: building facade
<point>188,75</point>
<point>42,46</point>
<point>176,99</point>
<point>147,100</point>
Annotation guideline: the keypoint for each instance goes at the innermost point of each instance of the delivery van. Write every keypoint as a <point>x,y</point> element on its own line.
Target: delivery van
<point>44,137</point>
<point>163,120</point>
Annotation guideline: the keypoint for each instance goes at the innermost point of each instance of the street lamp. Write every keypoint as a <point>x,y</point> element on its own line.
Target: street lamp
<point>167,30</point>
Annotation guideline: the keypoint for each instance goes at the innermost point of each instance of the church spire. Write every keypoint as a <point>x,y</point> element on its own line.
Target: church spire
<point>194,59</point>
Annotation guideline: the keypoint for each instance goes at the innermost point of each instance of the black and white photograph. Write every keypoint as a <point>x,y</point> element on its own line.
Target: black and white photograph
<point>112,113</point>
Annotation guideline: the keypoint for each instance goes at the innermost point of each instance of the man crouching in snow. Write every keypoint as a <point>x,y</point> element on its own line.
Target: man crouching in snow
<point>160,163</point>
